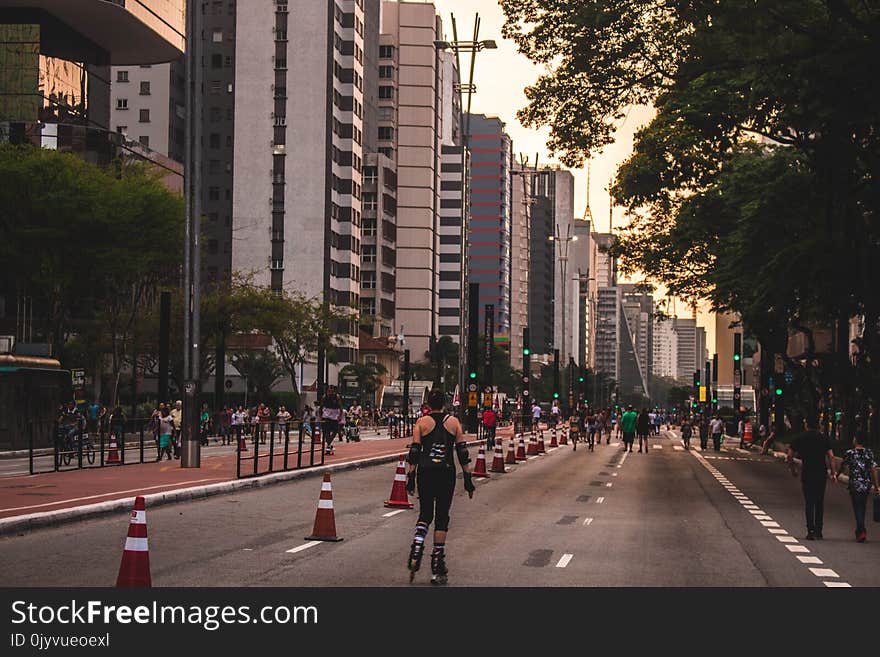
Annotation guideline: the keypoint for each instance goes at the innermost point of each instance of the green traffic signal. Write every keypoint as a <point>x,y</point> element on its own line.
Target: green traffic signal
<point>526,351</point>
<point>580,379</point>
<point>778,392</point>
<point>736,357</point>
<point>473,375</point>
<point>555,396</point>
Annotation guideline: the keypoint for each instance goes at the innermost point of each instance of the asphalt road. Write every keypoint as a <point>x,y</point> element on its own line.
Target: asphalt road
<point>570,518</point>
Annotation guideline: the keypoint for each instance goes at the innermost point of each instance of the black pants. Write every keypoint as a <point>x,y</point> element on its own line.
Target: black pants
<point>716,441</point>
<point>704,440</point>
<point>814,504</point>
<point>860,507</point>
<point>436,487</point>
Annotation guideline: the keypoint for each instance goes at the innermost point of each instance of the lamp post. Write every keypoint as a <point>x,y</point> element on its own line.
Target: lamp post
<point>473,46</point>
<point>563,244</point>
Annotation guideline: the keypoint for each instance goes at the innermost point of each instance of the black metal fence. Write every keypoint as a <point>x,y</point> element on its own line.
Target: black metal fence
<point>277,447</point>
<point>76,448</point>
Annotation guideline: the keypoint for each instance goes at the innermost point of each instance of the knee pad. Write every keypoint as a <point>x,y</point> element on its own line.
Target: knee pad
<point>415,449</point>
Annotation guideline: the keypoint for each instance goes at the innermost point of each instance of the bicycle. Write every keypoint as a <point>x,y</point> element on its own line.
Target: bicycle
<point>70,447</point>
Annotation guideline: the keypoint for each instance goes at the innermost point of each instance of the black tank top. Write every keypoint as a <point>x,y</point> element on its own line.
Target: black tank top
<point>438,446</point>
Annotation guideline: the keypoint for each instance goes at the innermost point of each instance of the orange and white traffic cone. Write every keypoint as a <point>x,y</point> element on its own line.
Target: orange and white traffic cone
<point>521,449</point>
<point>511,452</point>
<point>325,520</point>
<point>563,436</point>
<point>242,442</point>
<point>533,445</point>
<point>498,461</point>
<point>399,498</point>
<point>541,448</point>
<point>134,571</point>
<point>480,465</point>
<point>553,442</point>
<point>113,453</point>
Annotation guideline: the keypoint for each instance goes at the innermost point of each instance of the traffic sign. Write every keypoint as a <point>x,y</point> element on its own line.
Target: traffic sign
<point>78,378</point>
<point>472,387</point>
<point>228,384</point>
<point>737,378</point>
<point>472,400</point>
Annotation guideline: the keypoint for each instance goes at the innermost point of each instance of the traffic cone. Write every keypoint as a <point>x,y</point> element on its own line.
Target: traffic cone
<point>242,442</point>
<point>498,461</point>
<point>511,452</point>
<point>325,520</point>
<point>399,498</point>
<point>134,571</point>
<point>541,448</point>
<point>316,435</point>
<point>553,442</point>
<point>563,436</point>
<point>521,449</point>
<point>480,466</point>
<point>533,445</point>
<point>113,454</point>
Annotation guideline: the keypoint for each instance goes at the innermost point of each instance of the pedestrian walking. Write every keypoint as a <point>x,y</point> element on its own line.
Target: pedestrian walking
<point>331,416</point>
<point>686,432</point>
<point>627,426</point>
<point>862,467</point>
<point>490,420</point>
<point>431,467</point>
<point>177,418</point>
<point>237,425</point>
<point>204,424</point>
<point>166,432</point>
<point>704,433</point>
<point>717,428</point>
<point>817,464</point>
<point>643,428</point>
<point>117,424</point>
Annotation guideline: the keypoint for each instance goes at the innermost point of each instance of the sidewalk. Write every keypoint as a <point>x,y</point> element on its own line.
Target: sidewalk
<point>31,501</point>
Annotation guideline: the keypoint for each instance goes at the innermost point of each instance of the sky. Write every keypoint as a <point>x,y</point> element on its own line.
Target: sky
<point>501,76</point>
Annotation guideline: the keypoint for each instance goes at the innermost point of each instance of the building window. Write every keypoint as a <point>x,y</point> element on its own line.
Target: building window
<point>145,88</point>
<point>368,228</point>
<point>368,254</point>
<point>214,140</point>
<point>122,76</point>
<point>387,152</point>
<point>368,280</point>
<point>386,52</point>
<point>386,72</point>
<point>216,61</point>
<point>144,140</point>
<point>144,116</point>
<point>369,201</point>
<point>122,103</point>
<point>215,86</point>
<point>122,129</point>
<point>386,133</point>
<point>386,92</point>
<point>368,307</point>
<point>217,36</point>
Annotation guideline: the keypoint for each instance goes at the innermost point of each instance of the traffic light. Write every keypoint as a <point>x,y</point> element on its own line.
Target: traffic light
<point>714,399</point>
<point>697,379</point>
<point>472,375</point>
<point>526,351</point>
<point>580,379</point>
<point>737,347</point>
<point>778,391</point>
<point>555,395</point>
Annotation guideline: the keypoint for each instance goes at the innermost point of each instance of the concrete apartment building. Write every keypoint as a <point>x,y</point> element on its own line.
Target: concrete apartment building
<point>639,310</point>
<point>542,262</point>
<point>489,235</point>
<point>665,349</point>
<point>563,224</point>
<point>582,289</point>
<point>299,152</point>
<point>520,262</point>
<point>413,140</point>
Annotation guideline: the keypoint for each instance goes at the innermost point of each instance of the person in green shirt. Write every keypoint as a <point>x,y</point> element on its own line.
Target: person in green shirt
<point>628,427</point>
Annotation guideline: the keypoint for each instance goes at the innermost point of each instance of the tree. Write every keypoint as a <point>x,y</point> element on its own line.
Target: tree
<point>261,368</point>
<point>780,232</point>
<point>368,375</point>
<point>677,396</point>
<point>299,326</point>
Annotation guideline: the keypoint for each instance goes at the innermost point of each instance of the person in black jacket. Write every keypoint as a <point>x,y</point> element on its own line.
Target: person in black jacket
<point>817,465</point>
<point>643,429</point>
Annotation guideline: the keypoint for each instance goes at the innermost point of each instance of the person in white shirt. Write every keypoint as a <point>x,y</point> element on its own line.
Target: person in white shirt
<point>554,414</point>
<point>716,427</point>
<point>283,417</point>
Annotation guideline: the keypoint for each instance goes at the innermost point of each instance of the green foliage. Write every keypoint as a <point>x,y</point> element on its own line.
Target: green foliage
<point>369,378</point>
<point>261,367</point>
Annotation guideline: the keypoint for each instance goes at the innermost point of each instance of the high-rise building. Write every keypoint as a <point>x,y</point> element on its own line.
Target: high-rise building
<point>542,262</point>
<point>582,287</point>
<point>378,253</point>
<point>414,143</point>
<point>55,63</point>
<point>665,349</point>
<point>299,156</point>
<point>608,331</point>
<point>489,239</point>
<point>639,310</point>
<point>520,284</point>
<point>686,348</point>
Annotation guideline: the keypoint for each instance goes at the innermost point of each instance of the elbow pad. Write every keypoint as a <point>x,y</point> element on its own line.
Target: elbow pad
<point>463,457</point>
<point>415,449</point>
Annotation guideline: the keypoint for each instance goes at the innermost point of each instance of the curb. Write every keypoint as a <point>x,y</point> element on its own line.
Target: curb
<point>30,522</point>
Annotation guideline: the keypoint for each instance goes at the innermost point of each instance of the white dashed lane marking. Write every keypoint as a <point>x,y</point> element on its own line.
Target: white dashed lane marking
<point>823,572</point>
<point>392,513</point>
<point>304,546</point>
<point>599,500</point>
<point>563,562</point>
<point>797,548</point>
<point>588,521</point>
<point>815,560</point>
<point>837,585</point>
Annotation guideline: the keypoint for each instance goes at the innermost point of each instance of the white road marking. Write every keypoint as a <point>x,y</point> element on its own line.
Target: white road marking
<point>247,549</point>
<point>823,572</point>
<point>797,548</point>
<point>777,531</point>
<point>563,562</point>
<point>304,546</point>
<point>599,500</point>
<point>786,539</point>
<point>763,517</point>
<point>810,560</point>
<point>588,521</point>
<point>392,513</point>
<point>678,448</point>
<point>770,523</point>
<point>658,446</point>
<point>837,585</point>
<point>608,485</point>
<point>613,474</point>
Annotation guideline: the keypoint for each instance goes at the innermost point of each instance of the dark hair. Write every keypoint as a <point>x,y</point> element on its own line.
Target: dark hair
<point>436,399</point>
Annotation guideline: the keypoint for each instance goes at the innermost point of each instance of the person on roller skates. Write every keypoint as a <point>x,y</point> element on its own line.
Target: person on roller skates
<point>430,462</point>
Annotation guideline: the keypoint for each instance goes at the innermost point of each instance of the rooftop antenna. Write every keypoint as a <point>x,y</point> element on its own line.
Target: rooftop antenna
<point>588,213</point>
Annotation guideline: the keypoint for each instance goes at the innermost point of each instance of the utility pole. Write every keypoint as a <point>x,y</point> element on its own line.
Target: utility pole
<point>473,330</point>
<point>488,349</point>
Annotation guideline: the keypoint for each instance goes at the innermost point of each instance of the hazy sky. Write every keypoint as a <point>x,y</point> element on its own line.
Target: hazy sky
<point>501,76</point>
